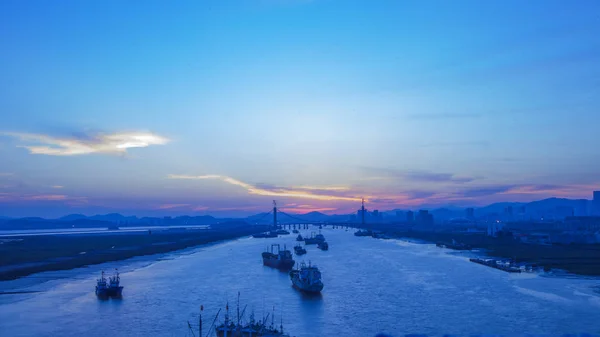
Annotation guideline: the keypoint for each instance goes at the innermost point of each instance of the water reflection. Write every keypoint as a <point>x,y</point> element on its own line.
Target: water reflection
<point>371,286</point>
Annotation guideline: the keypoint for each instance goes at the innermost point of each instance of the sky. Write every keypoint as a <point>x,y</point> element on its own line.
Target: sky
<point>220,107</point>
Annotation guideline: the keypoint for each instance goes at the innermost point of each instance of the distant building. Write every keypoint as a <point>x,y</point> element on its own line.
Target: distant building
<point>424,218</point>
<point>410,216</point>
<point>581,209</point>
<point>470,213</point>
<point>596,203</point>
<point>375,214</point>
<point>494,228</point>
<point>399,214</point>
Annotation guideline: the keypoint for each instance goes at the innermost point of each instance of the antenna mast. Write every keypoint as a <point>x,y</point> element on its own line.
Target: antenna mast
<point>362,211</point>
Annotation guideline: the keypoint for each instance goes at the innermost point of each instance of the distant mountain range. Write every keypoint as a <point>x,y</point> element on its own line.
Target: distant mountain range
<point>547,207</point>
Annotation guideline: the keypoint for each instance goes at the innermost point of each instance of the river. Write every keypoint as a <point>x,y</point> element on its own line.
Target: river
<point>371,286</point>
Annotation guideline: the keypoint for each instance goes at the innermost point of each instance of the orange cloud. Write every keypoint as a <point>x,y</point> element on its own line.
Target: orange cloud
<point>284,192</point>
<point>116,143</point>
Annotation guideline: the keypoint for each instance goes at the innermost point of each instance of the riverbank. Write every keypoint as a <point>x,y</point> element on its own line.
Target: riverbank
<point>576,259</point>
<point>22,256</point>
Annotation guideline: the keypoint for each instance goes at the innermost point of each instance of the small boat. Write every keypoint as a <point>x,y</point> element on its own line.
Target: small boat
<point>363,232</point>
<point>307,278</point>
<point>323,245</point>
<point>282,232</point>
<point>295,231</point>
<point>233,327</point>
<point>314,239</point>
<point>299,250</point>
<point>299,238</point>
<point>112,288</point>
<point>270,234</point>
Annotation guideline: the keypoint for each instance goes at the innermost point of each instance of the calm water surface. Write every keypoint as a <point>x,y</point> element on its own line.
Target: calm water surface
<point>370,286</point>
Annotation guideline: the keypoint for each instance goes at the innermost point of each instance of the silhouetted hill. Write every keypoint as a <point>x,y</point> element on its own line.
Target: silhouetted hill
<point>113,217</point>
<point>39,223</point>
<point>72,217</point>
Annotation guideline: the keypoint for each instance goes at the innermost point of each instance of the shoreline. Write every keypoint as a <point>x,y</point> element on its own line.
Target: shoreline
<point>581,260</point>
<point>54,253</point>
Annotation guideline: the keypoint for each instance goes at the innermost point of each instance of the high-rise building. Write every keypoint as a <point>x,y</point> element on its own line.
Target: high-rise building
<point>596,203</point>
<point>410,216</point>
<point>424,218</point>
<point>470,213</point>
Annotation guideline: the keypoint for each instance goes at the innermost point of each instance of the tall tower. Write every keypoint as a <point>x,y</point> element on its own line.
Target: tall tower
<point>362,211</point>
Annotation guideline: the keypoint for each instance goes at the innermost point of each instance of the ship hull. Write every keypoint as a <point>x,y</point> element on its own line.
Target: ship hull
<point>311,241</point>
<point>279,264</point>
<point>109,292</point>
<point>311,289</point>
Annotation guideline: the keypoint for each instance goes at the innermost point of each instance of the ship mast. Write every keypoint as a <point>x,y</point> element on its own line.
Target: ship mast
<point>274,214</point>
<point>238,309</point>
<point>200,321</point>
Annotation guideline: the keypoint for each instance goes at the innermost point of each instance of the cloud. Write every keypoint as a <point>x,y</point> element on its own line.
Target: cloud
<point>70,200</point>
<point>5,174</point>
<point>171,206</point>
<point>322,188</point>
<point>422,176</point>
<point>57,186</point>
<point>485,191</point>
<point>261,190</point>
<point>116,143</point>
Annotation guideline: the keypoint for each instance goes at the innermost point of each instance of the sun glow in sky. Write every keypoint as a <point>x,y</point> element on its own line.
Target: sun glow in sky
<point>218,107</point>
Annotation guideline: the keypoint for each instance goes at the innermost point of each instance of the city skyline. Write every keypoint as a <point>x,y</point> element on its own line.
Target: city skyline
<point>215,108</point>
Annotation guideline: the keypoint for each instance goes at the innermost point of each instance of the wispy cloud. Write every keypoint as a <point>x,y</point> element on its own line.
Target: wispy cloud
<point>71,200</point>
<point>414,175</point>
<point>115,143</point>
<point>279,192</point>
<point>6,174</point>
<point>57,186</point>
<point>322,188</point>
<point>171,206</point>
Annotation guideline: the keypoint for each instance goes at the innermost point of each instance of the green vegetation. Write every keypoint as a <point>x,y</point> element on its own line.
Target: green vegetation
<point>35,254</point>
<point>575,258</point>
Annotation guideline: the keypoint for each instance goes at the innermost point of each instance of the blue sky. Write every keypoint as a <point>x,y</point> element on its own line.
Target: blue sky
<point>195,107</point>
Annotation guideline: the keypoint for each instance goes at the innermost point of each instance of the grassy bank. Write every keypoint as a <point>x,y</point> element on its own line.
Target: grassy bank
<point>576,259</point>
<point>36,254</point>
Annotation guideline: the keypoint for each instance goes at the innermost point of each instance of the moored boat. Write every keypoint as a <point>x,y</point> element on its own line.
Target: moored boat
<point>282,259</point>
<point>109,288</point>
<point>314,239</point>
<point>299,250</point>
<point>323,245</point>
<point>307,278</point>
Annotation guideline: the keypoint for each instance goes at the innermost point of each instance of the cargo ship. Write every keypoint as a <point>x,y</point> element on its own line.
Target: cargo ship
<point>314,239</point>
<point>282,259</point>
<point>307,278</point>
